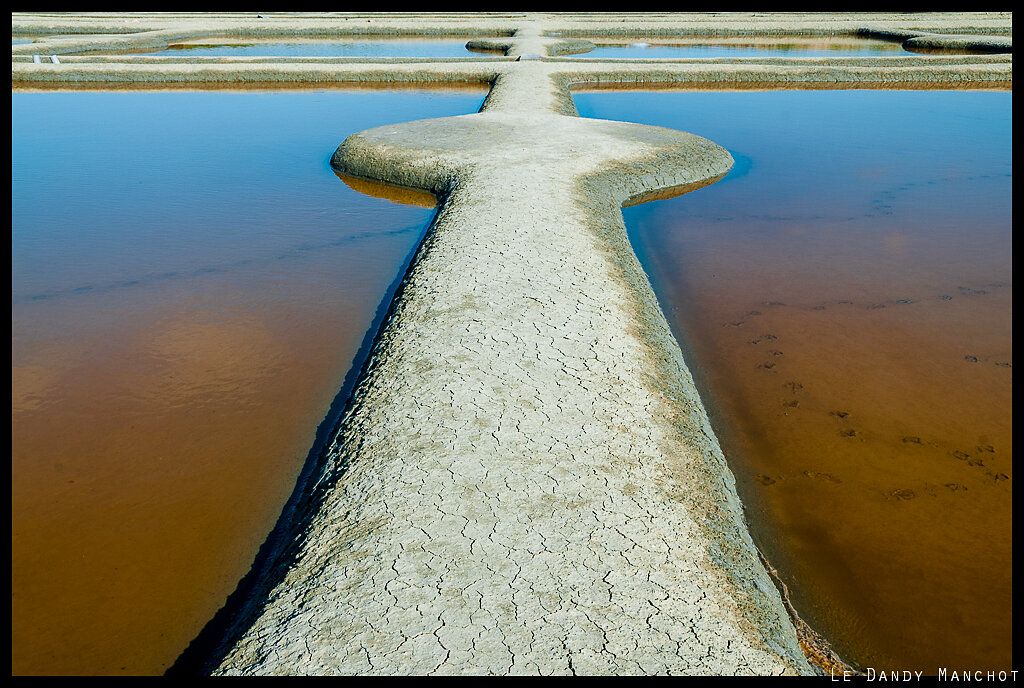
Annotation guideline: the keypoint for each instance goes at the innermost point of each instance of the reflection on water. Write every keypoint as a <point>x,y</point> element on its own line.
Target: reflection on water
<point>844,298</point>
<point>320,47</point>
<point>747,47</point>
<point>190,284</point>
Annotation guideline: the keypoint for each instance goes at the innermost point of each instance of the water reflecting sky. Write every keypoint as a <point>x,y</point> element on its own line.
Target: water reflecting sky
<point>747,47</point>
<point>190,284</point>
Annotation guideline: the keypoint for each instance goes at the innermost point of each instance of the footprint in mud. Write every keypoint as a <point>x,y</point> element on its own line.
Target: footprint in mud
<point>999,477</point>
<point>839,414</point>
<point>976,292</point>
<point>791,404</point>
<point>902,494</point>
<point>823,476</point>
<point>905,301</point>
<point>736,323</point>
<point>971,359</point>
<point>767,365</point>
<point>1004,364</point>
<point>772,303</point>
<point>876,306</point>
<point>765,480</point>
<point>768,337</point>
<point>988,448</point>
<point>793,387</point>
<point>751,313</point>
<point>817,308</point>
<point>848,433</point>
<point>775,352</point>
<point>946,297</point>
<point>955,487</point>
<point>845,303</point>
<point>754,341</point>
<point>911,440</point>
<point>964,456</point>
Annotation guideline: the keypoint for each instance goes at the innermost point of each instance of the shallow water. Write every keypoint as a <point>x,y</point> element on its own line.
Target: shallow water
<point>844,299</point>
<point>190,285</point>
<point>394,47</point>
<point>747,47</point>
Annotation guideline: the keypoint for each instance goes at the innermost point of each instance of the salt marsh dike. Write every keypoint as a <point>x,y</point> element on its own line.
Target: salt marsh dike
<point>525,479</point>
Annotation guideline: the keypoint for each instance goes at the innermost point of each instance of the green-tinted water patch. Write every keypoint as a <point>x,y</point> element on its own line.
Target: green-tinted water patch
<point>844,298</point>
<point>191,283</point>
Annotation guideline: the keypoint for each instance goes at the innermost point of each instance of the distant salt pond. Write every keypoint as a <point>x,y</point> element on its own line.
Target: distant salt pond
<point>392,47</point>
<point>844,299</point>
<point>190,286</point>
<point>745,47</point>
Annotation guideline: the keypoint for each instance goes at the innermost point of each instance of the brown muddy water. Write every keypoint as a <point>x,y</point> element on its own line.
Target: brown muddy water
<point>191,284</point>
<point>844,300</point>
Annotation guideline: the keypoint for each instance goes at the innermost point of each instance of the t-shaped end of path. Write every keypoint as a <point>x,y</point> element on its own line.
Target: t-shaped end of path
<point>538,153</point>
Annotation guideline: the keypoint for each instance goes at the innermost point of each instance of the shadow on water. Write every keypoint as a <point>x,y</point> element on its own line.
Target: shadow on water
<point>279,552</point>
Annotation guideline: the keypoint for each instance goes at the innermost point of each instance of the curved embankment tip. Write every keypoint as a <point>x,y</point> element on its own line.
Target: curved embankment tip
<point>433,155</point>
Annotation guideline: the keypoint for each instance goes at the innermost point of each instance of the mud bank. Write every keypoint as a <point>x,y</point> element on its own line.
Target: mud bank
<point>511,36</point>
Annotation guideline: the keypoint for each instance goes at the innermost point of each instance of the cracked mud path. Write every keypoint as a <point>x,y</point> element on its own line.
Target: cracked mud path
<point>526,481</point>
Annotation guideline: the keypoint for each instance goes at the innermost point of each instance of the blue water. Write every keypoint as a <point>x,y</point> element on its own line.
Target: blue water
<point>130,186</point>
<point>651,51</point>
<point>848,145</point>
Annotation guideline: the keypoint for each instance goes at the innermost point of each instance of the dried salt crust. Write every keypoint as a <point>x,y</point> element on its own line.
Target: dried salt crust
<point>525,480</point>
